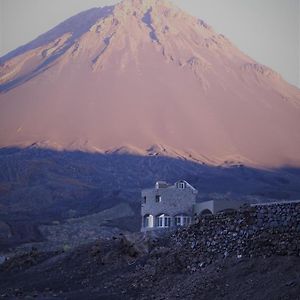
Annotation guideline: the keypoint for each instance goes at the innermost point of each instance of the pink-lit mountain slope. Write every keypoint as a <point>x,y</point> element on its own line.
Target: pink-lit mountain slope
<point>144,77</point>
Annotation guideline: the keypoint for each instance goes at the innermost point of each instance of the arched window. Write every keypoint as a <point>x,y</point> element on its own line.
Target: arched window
<point>148,221</point>
<point>163,221</point>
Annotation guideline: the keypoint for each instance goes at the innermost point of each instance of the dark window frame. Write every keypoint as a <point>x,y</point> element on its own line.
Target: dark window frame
<point>158,198</point>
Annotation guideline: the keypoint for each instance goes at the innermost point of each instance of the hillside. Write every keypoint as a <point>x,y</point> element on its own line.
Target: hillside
<point>76,194</point>
<point>227,256</point>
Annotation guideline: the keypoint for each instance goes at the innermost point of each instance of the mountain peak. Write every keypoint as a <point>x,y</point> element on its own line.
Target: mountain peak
<point>140,8</point>
<point>144,73</point>
<point>146,4</point>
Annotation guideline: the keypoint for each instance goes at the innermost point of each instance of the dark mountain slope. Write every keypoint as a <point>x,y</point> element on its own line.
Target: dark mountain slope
<point>41,186</point>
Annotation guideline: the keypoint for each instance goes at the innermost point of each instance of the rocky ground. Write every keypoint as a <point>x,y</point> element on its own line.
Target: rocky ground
<point>77,231</point>
<point>226,256</point>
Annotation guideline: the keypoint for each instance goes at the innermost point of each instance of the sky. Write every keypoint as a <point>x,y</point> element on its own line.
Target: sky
<point>266,30</point>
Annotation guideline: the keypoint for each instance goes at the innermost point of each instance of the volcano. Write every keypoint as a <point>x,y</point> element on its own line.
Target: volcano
<point>146,78</point>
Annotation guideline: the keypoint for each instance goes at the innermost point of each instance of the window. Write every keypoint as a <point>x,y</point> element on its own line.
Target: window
<point>186,221</point>
<point>163,221</point>
<point>182,220</point>
<point>167,221</point>
<point>181,185</point>
<point>178,221</point>
<point>160,221</point>
<point>144,199</point>
<point>157,198</point>
<point>148,221</point>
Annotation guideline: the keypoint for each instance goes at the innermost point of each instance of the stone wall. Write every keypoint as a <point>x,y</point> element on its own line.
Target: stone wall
<point>253,231</point>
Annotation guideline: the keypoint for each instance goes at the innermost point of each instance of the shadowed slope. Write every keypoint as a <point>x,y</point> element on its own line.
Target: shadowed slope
<point>45,181</point>
<point>39,186</point>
